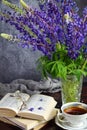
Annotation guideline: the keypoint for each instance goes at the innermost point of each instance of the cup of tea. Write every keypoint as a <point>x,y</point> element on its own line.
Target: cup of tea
<point>74,113</point>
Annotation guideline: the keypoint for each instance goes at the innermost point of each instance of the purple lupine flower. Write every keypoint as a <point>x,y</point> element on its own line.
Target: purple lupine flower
<point>56,24</point>
<point>48,27</point>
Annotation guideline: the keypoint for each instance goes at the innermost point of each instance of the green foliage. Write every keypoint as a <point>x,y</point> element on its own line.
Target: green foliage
<point>60,65</point>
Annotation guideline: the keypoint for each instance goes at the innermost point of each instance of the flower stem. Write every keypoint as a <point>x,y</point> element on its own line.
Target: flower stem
<point>84,64</point>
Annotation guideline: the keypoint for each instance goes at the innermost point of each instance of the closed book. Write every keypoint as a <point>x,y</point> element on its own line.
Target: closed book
<point>28,124</point>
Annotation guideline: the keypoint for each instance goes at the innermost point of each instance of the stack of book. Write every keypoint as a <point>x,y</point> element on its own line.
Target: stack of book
<point>27,112</point>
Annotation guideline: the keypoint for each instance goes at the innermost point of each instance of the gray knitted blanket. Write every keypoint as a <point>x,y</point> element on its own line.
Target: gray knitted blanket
<point>31,86</point>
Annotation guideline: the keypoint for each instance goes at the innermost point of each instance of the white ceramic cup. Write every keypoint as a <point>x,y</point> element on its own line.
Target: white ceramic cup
<point>75,113</point>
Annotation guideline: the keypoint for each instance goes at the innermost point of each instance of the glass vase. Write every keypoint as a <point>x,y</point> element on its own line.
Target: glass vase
<point>71,89</point>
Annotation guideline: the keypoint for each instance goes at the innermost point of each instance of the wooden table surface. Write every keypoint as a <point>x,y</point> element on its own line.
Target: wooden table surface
<point>51,125</point>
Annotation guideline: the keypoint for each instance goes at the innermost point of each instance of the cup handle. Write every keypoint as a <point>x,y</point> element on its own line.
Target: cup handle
<point>61,118</point>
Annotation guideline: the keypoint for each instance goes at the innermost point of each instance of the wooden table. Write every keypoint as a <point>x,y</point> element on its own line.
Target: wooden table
<point>51,125</point>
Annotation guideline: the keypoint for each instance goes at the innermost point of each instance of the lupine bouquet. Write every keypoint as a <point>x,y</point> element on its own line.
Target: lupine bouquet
<point>56,29</point>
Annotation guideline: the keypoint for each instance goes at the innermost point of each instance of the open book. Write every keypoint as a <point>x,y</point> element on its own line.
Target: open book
<point>38,106</point>
<point>28,124</point>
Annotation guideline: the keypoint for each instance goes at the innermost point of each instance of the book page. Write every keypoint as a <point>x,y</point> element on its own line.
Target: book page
<point>38,104</point>
<point>28,124</point>
<point>13,101</point>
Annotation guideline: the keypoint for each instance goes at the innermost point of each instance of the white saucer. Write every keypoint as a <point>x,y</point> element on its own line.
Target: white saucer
<point>68,127</point>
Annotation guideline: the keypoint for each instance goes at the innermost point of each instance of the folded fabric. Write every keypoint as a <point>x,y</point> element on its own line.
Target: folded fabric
<point>31,86</point>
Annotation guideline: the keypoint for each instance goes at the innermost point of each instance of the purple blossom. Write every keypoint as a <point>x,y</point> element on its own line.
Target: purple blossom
<point>41,99</point>
<point>48,26</point>
<point>57,22</point>
<point>40,108</point>
<point>31,109</point>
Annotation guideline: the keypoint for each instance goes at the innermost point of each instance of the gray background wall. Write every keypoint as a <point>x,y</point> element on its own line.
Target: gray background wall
<point>17,62</point>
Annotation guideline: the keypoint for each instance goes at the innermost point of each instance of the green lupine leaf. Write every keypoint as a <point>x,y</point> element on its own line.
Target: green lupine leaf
<point>79,73</point>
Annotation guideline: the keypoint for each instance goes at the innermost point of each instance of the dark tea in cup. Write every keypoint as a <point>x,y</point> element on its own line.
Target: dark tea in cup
<point>75,110</point>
